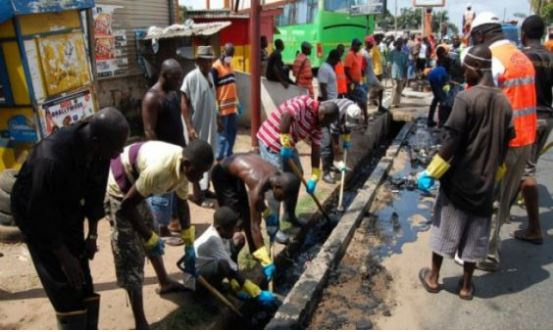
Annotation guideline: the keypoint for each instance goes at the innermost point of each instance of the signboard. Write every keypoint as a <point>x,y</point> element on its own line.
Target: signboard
<point>64,111</point>
<point>110,56</point>
<point>429,3</point>
<point>64,62</point>
<point>368,7</point>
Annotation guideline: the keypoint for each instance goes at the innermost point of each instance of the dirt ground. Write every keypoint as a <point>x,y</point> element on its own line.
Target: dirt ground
<point>23,304</point>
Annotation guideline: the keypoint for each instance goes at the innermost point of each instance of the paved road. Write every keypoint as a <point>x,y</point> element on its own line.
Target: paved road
<point>519,296</point>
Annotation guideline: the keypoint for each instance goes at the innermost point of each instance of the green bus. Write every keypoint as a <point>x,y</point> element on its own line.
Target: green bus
<point>322,23</point>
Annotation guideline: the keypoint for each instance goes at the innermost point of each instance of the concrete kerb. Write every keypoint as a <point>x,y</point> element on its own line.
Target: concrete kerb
<point>298,306</point>
<point>363,144</point>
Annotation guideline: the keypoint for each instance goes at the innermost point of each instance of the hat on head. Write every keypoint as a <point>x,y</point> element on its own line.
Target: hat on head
<point>353,113</point>
<point>205,52</point>
<point>370,39</point>
<point>483,19</point>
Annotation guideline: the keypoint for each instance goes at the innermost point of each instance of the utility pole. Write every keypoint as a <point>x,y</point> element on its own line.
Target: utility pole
<point>395,17</point>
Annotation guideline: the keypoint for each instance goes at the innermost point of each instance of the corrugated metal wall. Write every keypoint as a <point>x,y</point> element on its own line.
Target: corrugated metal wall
<point>137,14</point>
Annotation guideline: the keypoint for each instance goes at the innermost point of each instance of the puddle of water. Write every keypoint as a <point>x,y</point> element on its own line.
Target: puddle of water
<point>409,211</point>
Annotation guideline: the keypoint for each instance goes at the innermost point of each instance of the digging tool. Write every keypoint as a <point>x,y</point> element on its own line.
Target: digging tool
<point>546,148</point>
<point>342,183</point>
<point>298,173</point>
<point>219,296</point>
<point>211,289</point>
<point>272,250</point>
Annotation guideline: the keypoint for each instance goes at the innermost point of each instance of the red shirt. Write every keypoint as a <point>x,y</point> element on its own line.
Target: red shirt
<point>354,62</point>
<point>304,111</point>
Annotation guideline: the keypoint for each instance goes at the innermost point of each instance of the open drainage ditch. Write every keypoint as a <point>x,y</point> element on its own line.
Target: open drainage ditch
<point>357,290</point>
<point>298,256</point>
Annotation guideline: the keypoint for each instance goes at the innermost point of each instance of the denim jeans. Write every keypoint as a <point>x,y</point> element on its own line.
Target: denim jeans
<point>327,152</point>
<point>228,136</point>
<point>290,203</point>
<point>162,208</point>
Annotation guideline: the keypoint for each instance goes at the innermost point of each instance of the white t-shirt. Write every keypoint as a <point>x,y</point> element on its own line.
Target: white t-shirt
<point>327,76</point>
<point>211,247</point>
<point>422,52</point>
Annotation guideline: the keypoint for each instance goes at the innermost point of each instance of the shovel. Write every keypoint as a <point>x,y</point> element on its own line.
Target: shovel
<point>342,183</point>
<point>297,171</point>
<point>208,286</point>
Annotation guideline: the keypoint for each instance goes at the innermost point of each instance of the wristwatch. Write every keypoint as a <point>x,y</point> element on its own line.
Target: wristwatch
<point>93,236</point>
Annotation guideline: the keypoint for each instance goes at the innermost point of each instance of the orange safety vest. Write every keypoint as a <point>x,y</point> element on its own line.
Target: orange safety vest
<point>225,84</point>
<point>517,82</point>
<point>341,79</point>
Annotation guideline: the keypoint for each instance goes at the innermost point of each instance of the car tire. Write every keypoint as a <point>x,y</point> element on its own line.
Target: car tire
<point>5,202</point>
<point>10,234</point>
<point>7,180</point>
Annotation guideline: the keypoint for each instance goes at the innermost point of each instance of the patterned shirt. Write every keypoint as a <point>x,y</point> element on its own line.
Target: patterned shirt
<point>304,126</point>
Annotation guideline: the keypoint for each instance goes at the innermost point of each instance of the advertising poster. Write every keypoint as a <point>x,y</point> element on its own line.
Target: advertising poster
<point>64,62</point>
<point>110,57</point>
<point>62,112</point>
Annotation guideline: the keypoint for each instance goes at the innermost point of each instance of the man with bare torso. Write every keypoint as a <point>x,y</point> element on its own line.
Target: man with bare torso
<point>231,177</point>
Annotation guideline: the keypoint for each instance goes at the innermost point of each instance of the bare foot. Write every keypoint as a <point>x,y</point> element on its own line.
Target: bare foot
<point>170,286</point>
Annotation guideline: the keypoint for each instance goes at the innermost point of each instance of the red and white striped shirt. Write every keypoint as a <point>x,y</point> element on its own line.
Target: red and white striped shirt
<point>304,111</point>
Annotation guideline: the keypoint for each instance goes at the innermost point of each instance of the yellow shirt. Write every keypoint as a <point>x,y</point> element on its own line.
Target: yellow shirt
<point>377,60</point>
<point>159,168</point>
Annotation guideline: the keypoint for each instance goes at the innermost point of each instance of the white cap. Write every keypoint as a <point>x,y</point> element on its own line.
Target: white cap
<point>484,18</point>
<point>469,5</point>
<point>353,113</point>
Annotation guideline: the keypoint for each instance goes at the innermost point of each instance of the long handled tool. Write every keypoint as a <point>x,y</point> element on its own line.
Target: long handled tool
<point>342,183</point>
<point>297,171</point>
<point>219,296</point>
<point>272,250</point>
<point>212,290</point>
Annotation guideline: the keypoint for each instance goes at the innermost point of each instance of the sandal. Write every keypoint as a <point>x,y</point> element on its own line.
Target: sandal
<point>422,277</point>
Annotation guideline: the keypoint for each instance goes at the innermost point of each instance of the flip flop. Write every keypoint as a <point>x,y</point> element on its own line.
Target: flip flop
<point>521,235</point>
<point>422,277</point>
<point>468,297</point>
<point>173,241</point>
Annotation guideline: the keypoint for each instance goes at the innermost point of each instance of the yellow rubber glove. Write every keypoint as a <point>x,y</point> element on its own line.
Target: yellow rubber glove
<point>262,256</point>
<point>346,137</point>
<point>251,288</point>
<point>188,235</point>
<point>315,174</point>
<point>437,167</point>
<point>501,171</point>
<point>152,241</point>
<point>286,140</point>
<point>235,286</point>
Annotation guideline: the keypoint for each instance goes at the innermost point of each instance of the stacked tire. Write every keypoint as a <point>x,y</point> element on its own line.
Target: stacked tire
<point>9,232</point>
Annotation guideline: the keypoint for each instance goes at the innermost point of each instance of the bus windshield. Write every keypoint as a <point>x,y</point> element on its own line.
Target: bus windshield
<point>342,5</point>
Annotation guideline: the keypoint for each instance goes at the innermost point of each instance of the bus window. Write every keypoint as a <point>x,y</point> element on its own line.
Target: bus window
<point>342,5</point>
<point>300,12</point>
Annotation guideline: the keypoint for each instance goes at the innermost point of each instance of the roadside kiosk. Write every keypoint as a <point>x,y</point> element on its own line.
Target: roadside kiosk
<point>46,80</point>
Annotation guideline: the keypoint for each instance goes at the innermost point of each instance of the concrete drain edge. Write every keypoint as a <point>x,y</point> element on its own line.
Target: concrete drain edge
<point>301,301</point>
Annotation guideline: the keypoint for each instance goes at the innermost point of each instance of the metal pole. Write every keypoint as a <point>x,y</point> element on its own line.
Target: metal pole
<point>255,70</point>
<point>395,18</point>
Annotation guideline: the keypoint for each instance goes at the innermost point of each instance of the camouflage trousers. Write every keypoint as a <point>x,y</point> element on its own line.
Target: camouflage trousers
<point>126,244</point>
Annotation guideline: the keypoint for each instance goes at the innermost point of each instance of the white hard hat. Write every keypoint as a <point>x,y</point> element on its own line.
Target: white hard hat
<point>484,18</point>
<point>353,113</point>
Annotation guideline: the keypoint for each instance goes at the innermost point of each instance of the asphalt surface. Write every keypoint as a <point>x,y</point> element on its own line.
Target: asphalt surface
<point>519,296</point>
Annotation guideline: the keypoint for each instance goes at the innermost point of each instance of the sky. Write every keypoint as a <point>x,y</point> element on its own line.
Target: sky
<point>455,7</point>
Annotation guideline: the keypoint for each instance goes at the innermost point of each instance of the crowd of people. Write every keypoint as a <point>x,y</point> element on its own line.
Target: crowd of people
<point>499,122</point>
